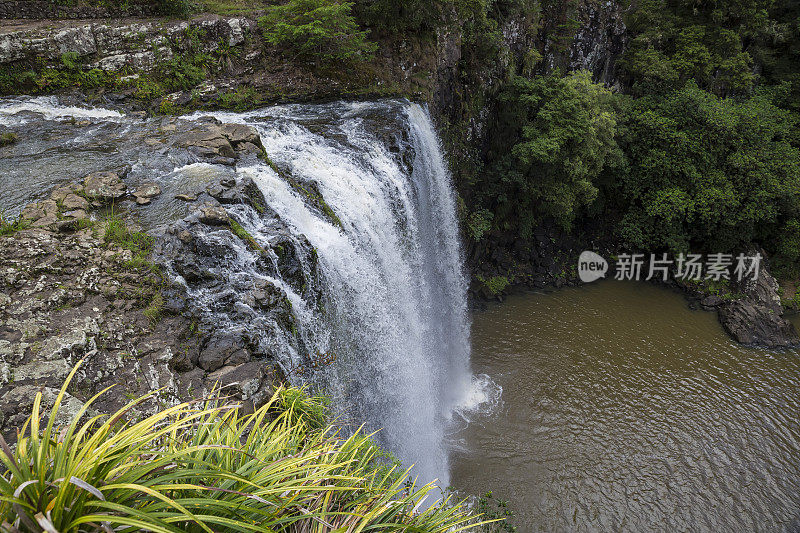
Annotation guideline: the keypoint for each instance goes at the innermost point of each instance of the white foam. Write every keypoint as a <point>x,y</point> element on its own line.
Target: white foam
<point>50,109</point>
<point>482,397</point>
<point>396,291</point>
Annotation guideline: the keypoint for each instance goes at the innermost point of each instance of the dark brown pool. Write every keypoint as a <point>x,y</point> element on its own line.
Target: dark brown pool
<point>623,410</point>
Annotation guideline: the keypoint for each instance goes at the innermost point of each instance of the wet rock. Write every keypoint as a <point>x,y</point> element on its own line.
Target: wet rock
<point>228,191</point>
<point>222,349</point>
<point>209,143</point>
<point>756,318</point>
<point>239,134</point>
<point>181,362</point>
<point>186,197</point>
<point>222,143</point>
<point>145,193</point>
<point>711,301</point>
<point>249,148</point>
<point>104,186</point>
<point>752,324</point>
<point>213,215</point>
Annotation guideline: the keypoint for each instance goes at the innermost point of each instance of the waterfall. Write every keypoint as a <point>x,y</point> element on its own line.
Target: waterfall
<point>395,293</point>
<point>358,245</point>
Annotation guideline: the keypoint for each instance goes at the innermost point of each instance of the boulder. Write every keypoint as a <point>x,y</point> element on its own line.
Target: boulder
<point>222,143</point>
<point>45,221</point>
<point>146,192</point>
<point>222,349</point>
<point>186,197</point>
<point>239,134</point>
<point>104,186</point>
<point>756,318</point>
<point>249,148</point>
<point>711,301</point>
<point>249,382</point>
<point>73,202</point>
<point>749,323</point>
<point>32,212</point>
<point>208,143</point>
<point>213,215</point>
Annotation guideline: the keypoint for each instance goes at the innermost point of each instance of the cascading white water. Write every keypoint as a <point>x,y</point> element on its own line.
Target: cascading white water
<point>394,286</point>
<point>385,292</point>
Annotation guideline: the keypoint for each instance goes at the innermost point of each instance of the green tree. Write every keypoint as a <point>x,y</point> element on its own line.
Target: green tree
<point>319,30</point>
<point>704,40</point>
<point>554,135</point>
<point>705,172</point>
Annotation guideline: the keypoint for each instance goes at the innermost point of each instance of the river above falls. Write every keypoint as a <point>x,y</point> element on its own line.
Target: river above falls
<point>624,410</point>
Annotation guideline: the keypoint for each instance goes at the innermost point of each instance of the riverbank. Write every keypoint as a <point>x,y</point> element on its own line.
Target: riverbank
<point>211,62</point>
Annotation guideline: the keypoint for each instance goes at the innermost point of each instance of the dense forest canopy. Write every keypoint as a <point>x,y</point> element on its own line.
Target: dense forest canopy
<point>696,150</point>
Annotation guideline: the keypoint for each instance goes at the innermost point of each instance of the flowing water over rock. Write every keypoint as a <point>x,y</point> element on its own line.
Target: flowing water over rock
<point>355,266</point>
<point>625,411</point>
<point>394,294</point>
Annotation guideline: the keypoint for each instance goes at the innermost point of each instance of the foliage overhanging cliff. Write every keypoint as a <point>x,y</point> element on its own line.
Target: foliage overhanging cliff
<point>681,134</point>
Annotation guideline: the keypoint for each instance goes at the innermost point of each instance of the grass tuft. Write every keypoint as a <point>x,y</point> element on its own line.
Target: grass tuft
<point>155,310</point>
<point>9,226</point>
<point>7,138</point>
<point>207,467</point>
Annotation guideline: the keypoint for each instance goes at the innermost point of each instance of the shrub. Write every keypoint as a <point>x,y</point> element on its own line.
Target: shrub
<point>195,467</point>
<point>495,285</point>
<point>560,131</point>
<point>176,8</point>
<point>319,30</point>
<point>705,172</point>
<point>479,223</point>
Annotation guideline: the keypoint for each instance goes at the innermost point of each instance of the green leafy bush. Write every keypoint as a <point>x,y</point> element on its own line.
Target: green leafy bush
<point>553,137</point>
<point>479,223</point>
<point>208,467</point>
<point>705,172</point>
<point>318,30</point>
<point>709,42</point>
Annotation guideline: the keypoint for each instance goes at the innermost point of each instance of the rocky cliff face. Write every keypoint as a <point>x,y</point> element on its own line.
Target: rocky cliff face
<point>108,45</point>
<point>590,35</point>
<point>77,281</point>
